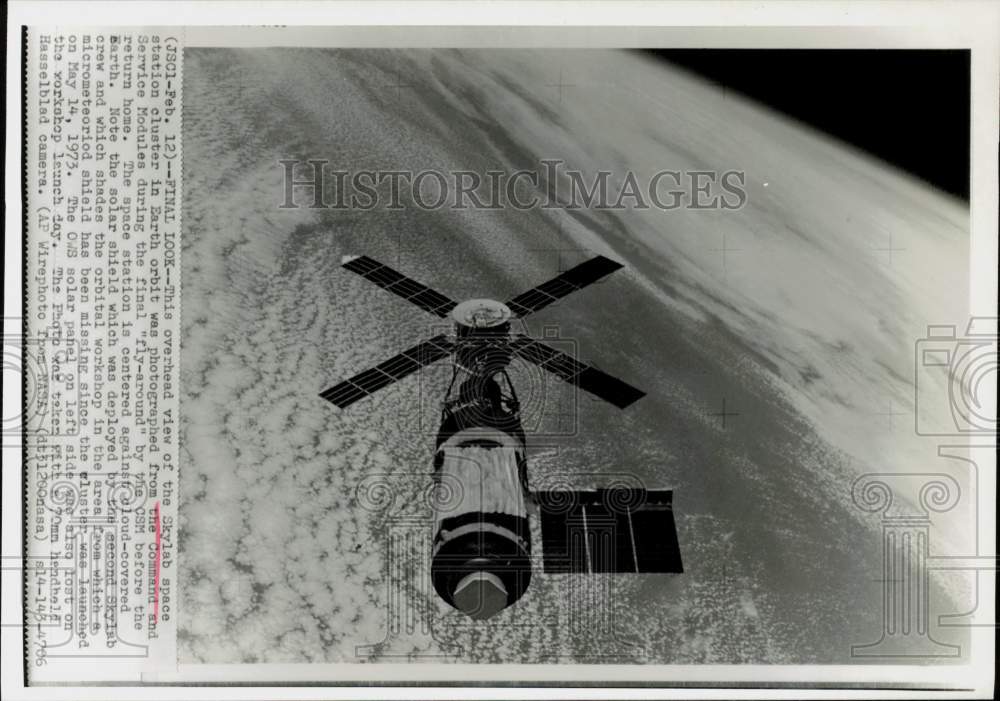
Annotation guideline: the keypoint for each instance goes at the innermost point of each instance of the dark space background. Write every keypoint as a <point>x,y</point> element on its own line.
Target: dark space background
<point>908,107</point>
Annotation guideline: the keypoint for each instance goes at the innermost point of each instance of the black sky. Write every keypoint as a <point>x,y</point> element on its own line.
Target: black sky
<point>908,107</point>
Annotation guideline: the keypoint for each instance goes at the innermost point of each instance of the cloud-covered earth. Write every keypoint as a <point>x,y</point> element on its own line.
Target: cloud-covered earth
<point>803,328</point>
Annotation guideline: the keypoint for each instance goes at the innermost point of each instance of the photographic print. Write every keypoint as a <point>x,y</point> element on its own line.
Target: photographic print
<point>655,358</point>
<point>462,294</point>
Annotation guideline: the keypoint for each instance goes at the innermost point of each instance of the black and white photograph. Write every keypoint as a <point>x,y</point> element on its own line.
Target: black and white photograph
<point>643,357</point>
<point>417,397</point>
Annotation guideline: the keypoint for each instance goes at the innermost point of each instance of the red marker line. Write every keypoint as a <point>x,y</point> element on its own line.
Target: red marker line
<point>156,568</point>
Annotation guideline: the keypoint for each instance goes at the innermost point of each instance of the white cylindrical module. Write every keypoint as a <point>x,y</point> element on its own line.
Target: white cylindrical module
<point>481,562</point>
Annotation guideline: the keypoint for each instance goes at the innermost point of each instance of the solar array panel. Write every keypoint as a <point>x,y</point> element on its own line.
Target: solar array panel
<point>558,287</point>
<point>400,285</point>
<point>608,531</point>
<point>567,368</point>
<point>395,368</point>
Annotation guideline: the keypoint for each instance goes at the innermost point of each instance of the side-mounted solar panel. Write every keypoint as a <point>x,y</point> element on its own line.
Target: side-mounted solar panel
<point>395,368</point>
<point>400,285</point>
<point>608,531</point>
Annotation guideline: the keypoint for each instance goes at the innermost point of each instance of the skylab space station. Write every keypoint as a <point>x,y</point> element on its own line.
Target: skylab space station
<point>481,557</point>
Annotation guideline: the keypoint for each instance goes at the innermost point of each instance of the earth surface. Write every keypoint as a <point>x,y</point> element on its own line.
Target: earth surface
<point>775,343</point>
